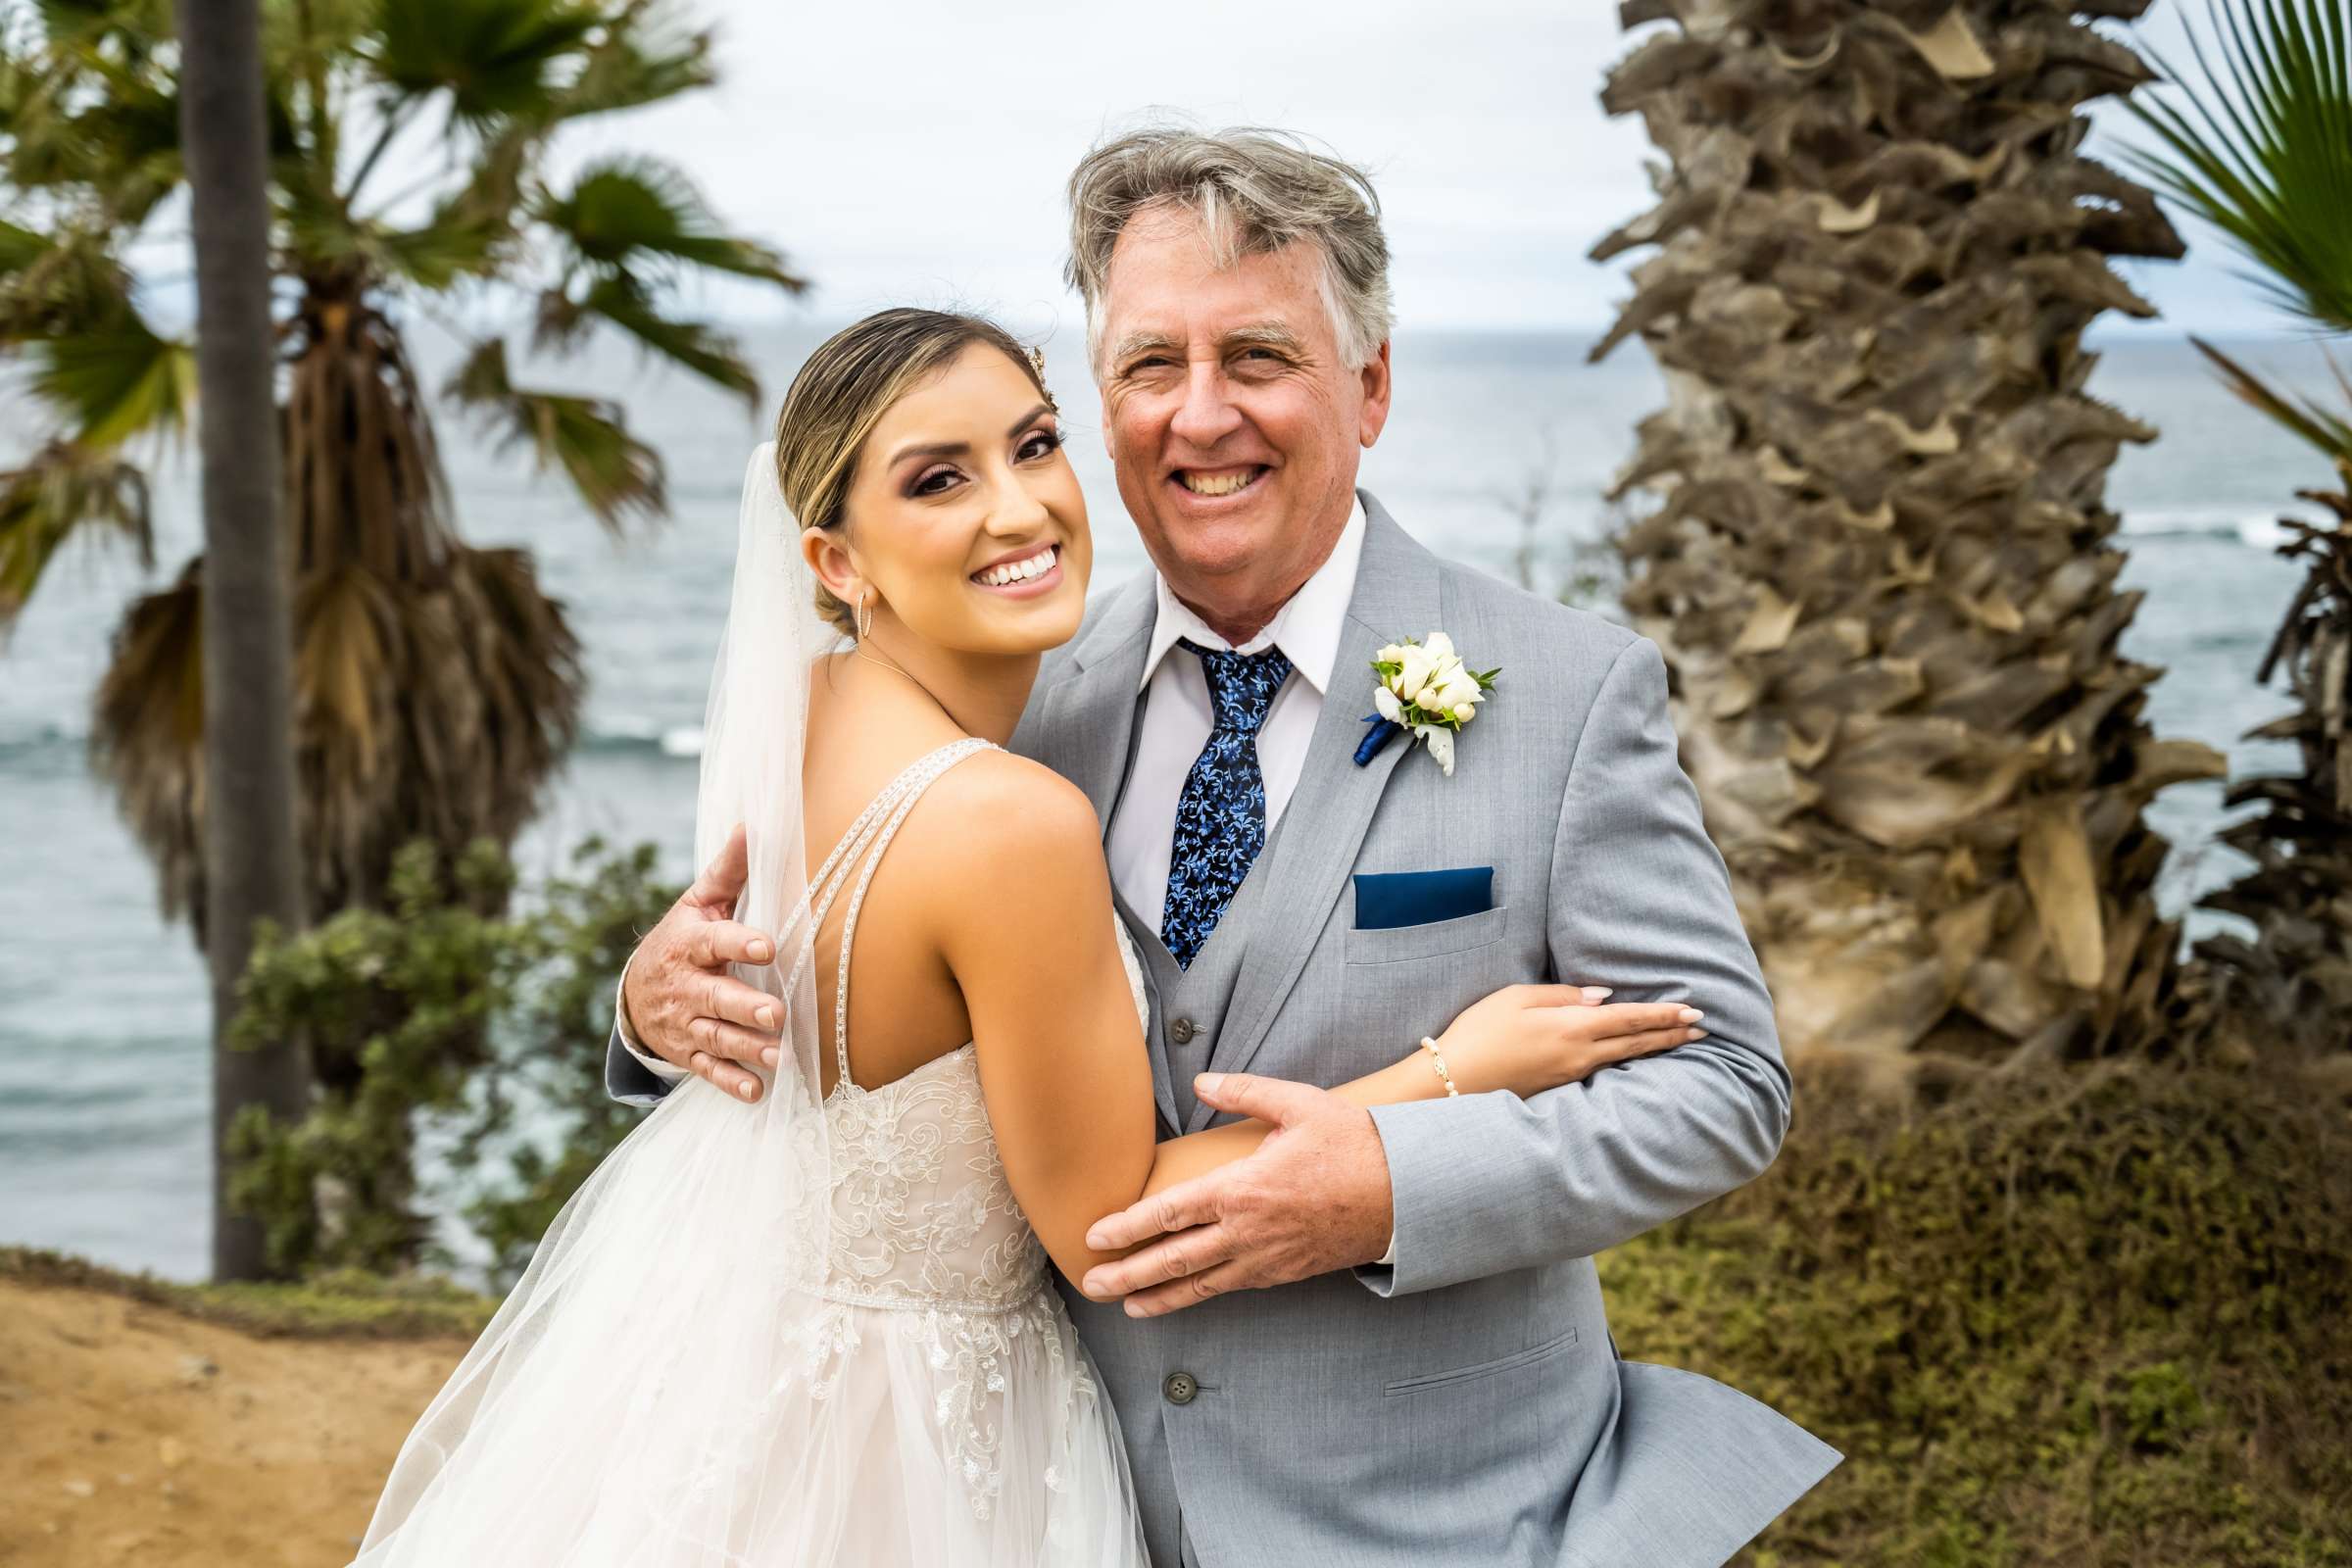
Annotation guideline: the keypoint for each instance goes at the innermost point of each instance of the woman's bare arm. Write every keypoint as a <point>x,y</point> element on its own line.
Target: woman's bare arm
<point>1024,919</point>
<point>1521,1039</point>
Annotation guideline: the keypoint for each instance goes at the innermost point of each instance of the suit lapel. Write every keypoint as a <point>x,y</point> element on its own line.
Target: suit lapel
<point>1306,864</point>
<point>1092,712</point>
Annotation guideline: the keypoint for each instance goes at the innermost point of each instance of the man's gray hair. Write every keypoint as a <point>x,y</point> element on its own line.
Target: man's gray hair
<point>1254,192</point>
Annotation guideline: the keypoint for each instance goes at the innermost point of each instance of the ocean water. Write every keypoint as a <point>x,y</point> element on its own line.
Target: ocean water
<point>103,1027</point>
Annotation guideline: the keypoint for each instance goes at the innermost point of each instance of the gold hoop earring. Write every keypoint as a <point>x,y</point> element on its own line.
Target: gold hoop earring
<point>865,616</point>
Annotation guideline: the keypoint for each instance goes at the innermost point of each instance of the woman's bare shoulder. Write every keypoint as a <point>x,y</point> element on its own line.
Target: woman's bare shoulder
<point>1000,816</point>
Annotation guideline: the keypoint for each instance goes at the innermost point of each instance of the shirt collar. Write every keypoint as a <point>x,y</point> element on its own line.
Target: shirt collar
<point>1306,628</point>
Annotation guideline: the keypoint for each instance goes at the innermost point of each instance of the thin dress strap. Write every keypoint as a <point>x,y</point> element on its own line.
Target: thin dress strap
<point>861,850</point>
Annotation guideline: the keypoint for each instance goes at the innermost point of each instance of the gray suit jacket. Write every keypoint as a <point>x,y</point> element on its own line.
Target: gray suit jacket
<point>1468,1404</point>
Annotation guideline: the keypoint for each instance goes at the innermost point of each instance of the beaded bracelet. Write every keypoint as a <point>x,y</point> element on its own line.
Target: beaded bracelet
<point>1436,1059</point>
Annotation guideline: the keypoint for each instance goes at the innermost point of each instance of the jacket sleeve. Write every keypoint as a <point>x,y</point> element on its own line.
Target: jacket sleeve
<point>632,1076</point>
<point>1639,900</point>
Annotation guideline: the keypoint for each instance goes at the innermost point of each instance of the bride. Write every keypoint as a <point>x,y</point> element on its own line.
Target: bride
<point>821,1329</point>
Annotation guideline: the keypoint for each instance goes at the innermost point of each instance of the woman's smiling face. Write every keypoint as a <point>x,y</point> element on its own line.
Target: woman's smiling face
<point>964,521</point>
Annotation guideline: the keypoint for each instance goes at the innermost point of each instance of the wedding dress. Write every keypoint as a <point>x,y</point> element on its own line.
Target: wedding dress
<point>812,1332</point>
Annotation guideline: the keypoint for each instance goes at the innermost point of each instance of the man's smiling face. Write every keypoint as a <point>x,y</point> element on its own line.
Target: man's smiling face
<point>1233,422</point>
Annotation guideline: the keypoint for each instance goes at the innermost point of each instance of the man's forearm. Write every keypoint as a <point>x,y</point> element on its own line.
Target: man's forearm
<point>1491,1183</point>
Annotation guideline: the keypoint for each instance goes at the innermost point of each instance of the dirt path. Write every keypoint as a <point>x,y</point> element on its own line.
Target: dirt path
<point>130,1434</point>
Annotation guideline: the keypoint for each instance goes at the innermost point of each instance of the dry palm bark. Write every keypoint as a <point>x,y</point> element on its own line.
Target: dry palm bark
<point>436,684</point>
<point>2292,986</point>
<point>1882,567</point>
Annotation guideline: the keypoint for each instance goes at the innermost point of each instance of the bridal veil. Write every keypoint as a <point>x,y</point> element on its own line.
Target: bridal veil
<point>612,1410</point>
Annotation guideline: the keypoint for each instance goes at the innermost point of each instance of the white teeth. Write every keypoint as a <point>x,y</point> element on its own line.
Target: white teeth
<point>1014,572</point>
<point>1217,484</point>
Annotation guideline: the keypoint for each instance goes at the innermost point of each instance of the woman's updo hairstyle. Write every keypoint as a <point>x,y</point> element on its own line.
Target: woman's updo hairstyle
<point>843,391</point>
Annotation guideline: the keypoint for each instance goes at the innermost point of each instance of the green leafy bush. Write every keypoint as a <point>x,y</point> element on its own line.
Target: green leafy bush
<point>548,1067</point>
<point>2057,1318</point>
<point>491,1023</point>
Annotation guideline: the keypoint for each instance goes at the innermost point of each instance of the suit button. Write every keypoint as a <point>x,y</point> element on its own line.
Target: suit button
<point>1180,1388</point>
<point>1181,1031</point>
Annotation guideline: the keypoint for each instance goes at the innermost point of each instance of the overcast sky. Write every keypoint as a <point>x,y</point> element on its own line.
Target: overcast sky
<point>913,151</point>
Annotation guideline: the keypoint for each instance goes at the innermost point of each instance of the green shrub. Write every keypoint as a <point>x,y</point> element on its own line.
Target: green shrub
<point>547,1067</point>
<point>492,1023</point>
<point>2083,1319</point>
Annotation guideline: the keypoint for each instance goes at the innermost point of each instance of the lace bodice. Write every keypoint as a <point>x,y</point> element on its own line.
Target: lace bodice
<point>922,1216</point>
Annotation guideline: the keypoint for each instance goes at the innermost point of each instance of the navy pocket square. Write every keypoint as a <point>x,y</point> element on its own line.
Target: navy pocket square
<point>1385,900</point>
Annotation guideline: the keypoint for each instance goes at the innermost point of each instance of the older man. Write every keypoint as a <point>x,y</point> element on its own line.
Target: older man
<point>1381,1339</point>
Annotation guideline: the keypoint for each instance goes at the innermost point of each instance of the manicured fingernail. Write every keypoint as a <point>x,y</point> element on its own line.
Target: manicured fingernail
<point>759,951</point>
<point>770,1056</point>
<point>1598,993</point>
<point>766,1017</point>
<point>1698,1034</point>
<point>1690,1015</point>
<point>749,1091</point>
<point>1208,1083</point>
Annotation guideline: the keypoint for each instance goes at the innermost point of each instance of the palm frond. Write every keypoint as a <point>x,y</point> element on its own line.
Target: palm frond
<point>2321,427</point>
<point>116,380</point>
<point>645,57</point>
<point>59,284</point>
<point>620,300</point>
<point>62,491</point>
<point>496,58</point>
<point>348,636</point>
<point>147,734</point>
<point>101,124</point>
<point>466,237</point>
<point>297,35</point>
<point>614,472</point>
<point>86,24</point>
<point>624,211</point>
<point>429,709</point>
<point>19,248</point>
<point>525,670</point>
<point>458,243</point>
<point>2262,148</point>
<point>363,467</point>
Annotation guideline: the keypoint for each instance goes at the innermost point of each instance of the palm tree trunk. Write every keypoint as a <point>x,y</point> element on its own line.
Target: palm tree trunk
<point>1881,567</point>
<point>248,814</point>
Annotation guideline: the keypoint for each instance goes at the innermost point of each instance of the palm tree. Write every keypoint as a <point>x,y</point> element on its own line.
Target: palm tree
<point>435,685</point>
<point>247,740</point>
<point>2262,152</point>
<point>1881,563</point>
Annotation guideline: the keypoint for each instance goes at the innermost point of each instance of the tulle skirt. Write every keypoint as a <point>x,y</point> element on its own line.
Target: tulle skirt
<point>660,1391</point>
<point>955,1438</point>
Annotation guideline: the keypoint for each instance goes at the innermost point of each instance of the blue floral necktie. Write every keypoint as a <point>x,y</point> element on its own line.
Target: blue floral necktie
<point>1221,816</point>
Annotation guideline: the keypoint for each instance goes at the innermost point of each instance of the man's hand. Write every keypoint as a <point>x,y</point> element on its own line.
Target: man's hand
<point>1313,1199</point>
<point>679,1001</point>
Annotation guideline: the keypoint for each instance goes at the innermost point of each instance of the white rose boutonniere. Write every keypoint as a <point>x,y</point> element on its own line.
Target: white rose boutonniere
<point>1423,687</point>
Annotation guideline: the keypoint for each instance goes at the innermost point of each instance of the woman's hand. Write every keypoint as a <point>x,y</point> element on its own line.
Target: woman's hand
<point>1528,1038</point>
